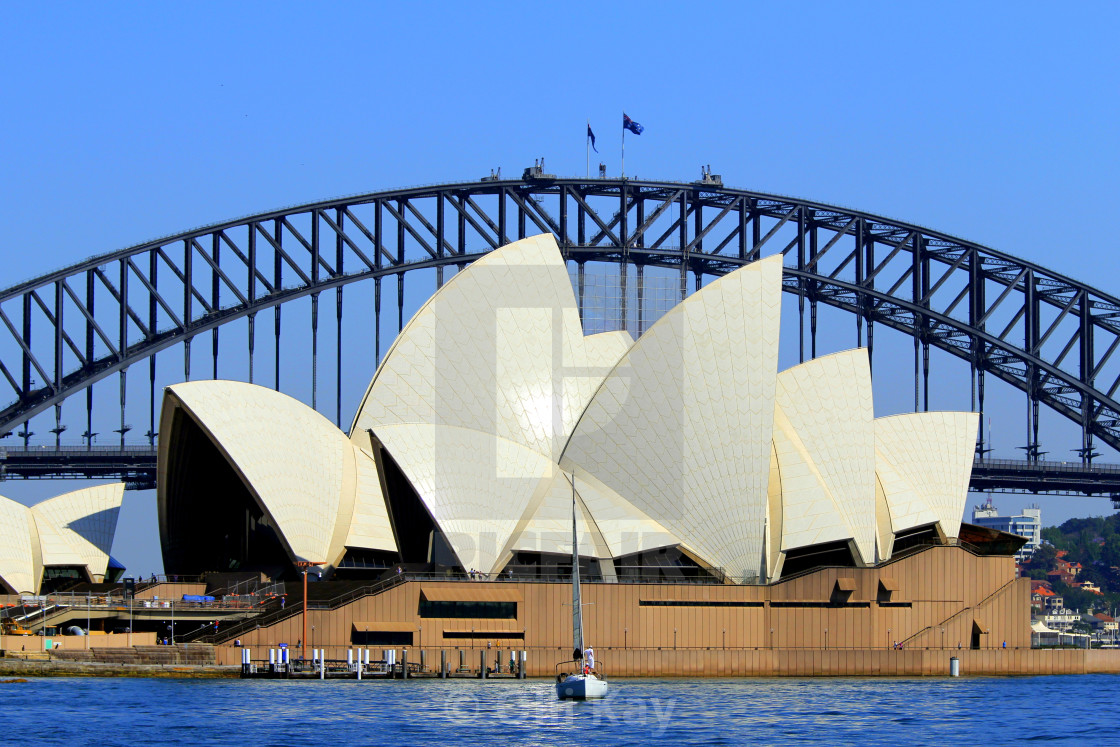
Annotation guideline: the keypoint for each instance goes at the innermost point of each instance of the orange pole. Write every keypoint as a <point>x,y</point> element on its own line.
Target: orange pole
<point>305,565</point>
<point>304,653</point>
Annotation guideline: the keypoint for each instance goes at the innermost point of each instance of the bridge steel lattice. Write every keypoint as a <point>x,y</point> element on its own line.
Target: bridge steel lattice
<point>1045,334</point>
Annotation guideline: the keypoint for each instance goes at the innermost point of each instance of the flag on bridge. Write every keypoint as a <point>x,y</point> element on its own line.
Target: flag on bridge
<point>591,136</point>
<point>629,124</point>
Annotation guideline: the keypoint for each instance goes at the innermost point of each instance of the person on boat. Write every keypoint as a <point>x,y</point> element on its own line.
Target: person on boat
<point>589,659</point>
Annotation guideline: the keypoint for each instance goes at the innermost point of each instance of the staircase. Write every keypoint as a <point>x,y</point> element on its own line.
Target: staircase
<point>976,608</point>
<point>323,595</point>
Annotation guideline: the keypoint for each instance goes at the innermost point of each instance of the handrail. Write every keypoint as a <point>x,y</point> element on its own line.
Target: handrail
<point>283,613</point>
<point>958,613</point>
<point>1038,465</point>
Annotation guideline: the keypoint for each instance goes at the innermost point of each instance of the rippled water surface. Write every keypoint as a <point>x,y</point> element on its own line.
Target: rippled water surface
<point>988,711</point>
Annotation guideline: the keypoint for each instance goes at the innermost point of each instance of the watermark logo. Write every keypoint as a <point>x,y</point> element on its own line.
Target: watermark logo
<point>631,715</point>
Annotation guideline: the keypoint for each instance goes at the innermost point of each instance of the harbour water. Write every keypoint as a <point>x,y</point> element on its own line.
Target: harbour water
<point>991,711</point>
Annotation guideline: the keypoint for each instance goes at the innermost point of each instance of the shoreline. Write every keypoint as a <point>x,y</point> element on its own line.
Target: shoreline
<point>11,667</point>
<point>923,664</point>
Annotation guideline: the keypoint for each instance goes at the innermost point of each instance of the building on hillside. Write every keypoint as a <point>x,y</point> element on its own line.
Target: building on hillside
<point>1090,587</point>
<point>1040,596</point>
<point>1104,626</point>
<point>688,457</point>
<point>1061,618</point>
<point>59,541</point>
<point>1027,524</point>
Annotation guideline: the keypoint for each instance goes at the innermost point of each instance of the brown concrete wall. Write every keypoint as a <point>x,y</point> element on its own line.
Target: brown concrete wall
<point>939,596</point>
<point>75,642</point>
<point>1102,661</point>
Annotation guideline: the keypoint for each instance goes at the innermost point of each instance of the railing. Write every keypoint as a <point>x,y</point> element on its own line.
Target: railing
<point>250,592</point>
<point>165,578</point>
<point>42,607</point>
<point>1073,467</point>
<point>283,613</point>
<point>949,620</point>
<point>45,449</point>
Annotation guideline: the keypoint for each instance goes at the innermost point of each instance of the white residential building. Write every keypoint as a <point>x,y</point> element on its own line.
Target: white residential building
<point>1027,524</point>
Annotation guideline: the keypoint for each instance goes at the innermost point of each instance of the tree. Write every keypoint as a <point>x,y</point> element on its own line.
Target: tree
<point>1110,553</point>
<point>1054,536</point>
<point>1078,599</point>
<point>1045,558</point>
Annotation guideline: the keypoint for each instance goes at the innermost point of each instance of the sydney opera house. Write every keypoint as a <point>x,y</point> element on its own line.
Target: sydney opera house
<point>720,500</point>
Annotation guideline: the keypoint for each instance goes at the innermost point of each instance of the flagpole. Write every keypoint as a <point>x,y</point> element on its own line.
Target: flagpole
<point>623,148</point>
<point>587,150</point>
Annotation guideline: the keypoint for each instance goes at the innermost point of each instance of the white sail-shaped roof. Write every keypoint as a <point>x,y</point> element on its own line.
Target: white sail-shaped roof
<point>300,468</point>
<point>663,432</point>
<point>496,363</point>
<point>89,517</point>
<point>809,511</point>
<point>906,506</point>
<point>827,403</point>
<point>499,349</point>
<point>369,525</point>
<point>932,454</point>
<point>20,562</point>
<point>54,548</point>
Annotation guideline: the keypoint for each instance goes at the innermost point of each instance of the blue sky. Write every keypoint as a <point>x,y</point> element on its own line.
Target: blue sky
<point>126,121</point>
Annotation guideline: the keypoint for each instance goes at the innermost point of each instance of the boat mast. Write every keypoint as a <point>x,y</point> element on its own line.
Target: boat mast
<point>577,607</point>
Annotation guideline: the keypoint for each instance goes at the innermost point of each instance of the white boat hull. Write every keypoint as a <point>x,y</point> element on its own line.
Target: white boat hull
<point>581,687</point>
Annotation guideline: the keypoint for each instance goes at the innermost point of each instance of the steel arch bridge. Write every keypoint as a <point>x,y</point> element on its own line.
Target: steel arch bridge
<point>1050,337</point>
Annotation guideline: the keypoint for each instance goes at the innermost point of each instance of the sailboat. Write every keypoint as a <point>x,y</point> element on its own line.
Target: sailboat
<point>583,683</point>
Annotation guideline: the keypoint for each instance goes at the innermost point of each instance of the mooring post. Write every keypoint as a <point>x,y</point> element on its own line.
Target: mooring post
<point>521,665</point>
<point>443,664</point>
<point>482,664</point>
<point>423,660</point>
<point>404,663</point>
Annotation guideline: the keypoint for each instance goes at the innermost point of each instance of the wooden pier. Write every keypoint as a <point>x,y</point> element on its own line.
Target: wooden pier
<point>359,666</point>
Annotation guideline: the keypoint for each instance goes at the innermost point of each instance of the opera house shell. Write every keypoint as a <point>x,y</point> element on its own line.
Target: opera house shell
<point>689,451</point>
<point>65,538</point>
